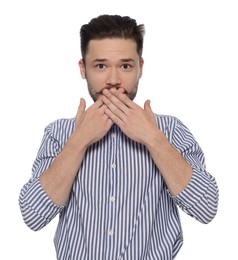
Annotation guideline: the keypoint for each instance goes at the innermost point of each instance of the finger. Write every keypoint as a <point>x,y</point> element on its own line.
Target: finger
<point>109,121</point>
<point>116,107</point>
<point>81,107</point>
<point>106,118</point>
<point>98,103</point>
<point>147,106</point>
<point>81,111</point>
<point>115,119</point>
<point>102,109</point>
<point>122,97</point>
<point>113,101</point>
<point>121,90</point>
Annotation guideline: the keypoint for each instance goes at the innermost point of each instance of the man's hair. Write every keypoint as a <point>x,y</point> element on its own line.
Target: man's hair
<point>111,26</point>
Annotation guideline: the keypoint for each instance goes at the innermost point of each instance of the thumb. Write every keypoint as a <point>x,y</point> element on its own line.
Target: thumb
<point>147,106</point>
<point>81,107</point>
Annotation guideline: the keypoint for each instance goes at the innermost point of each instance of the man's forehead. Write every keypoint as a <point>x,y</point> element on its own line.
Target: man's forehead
<point>112,43</point>
<point>111,47</point>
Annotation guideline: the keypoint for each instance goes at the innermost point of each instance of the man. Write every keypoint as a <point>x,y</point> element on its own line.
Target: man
<point>117,172</point>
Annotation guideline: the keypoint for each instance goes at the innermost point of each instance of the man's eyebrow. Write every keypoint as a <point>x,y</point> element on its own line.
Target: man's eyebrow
<point>99,60</point>
<point>122,60</point>
<point>128,60</point>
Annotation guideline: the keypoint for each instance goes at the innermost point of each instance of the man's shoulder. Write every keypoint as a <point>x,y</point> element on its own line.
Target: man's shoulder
<point>61,126</point>
<point>62,122</point>
<point>166,119</point>
<point>168,123</point>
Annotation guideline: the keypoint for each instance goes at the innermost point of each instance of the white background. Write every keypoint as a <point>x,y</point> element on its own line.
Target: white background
<point>191,72</point>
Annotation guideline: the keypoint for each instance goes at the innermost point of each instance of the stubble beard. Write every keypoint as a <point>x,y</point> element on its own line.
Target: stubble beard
<point>95,95</point>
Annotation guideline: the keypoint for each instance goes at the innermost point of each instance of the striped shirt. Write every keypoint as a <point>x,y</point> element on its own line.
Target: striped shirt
<point>119,206</point>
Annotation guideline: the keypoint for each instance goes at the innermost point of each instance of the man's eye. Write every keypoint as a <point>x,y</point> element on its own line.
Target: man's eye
<point>126,66</point>
<point>100,66</point>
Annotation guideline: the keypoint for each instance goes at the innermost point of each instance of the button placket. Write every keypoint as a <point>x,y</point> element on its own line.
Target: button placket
<point>112,198</point>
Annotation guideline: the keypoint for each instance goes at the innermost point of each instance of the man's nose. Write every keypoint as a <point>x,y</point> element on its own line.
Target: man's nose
<point>113,78</point>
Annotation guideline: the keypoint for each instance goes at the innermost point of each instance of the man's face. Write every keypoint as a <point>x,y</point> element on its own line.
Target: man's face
<point>112,63</point>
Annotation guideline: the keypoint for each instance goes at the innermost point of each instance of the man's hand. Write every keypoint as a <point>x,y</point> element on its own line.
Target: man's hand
<point>92,123</point>
<point>137,123</point>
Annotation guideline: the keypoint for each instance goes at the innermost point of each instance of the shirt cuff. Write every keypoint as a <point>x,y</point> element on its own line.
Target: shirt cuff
<point>194,191</point>
<point>38,201</point>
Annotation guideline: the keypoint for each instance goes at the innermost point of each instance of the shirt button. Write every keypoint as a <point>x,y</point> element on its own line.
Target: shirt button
<point>113,135</point>
<point>110,232</point>
<point>112,199</point>
<point>113,165</point>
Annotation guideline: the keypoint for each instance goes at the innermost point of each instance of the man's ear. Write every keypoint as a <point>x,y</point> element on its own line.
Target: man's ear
<point>82,69</point>
<point>141,66</point>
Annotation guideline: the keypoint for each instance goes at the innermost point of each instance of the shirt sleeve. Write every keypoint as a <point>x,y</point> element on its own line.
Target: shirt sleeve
<point>200,197</point>
<point>36,207</point>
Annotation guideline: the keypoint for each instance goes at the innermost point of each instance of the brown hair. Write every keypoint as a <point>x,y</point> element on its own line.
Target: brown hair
<point>111,26</point>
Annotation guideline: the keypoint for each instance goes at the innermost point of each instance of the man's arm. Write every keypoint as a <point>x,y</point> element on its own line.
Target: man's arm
<point>140,125</point>
<point>91,125</point>
<point>55,168</point>
<point>179,160</point>
<point>176,171</point>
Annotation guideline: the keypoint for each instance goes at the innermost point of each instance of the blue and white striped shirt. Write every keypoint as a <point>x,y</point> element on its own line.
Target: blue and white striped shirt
<point>119,206</point>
